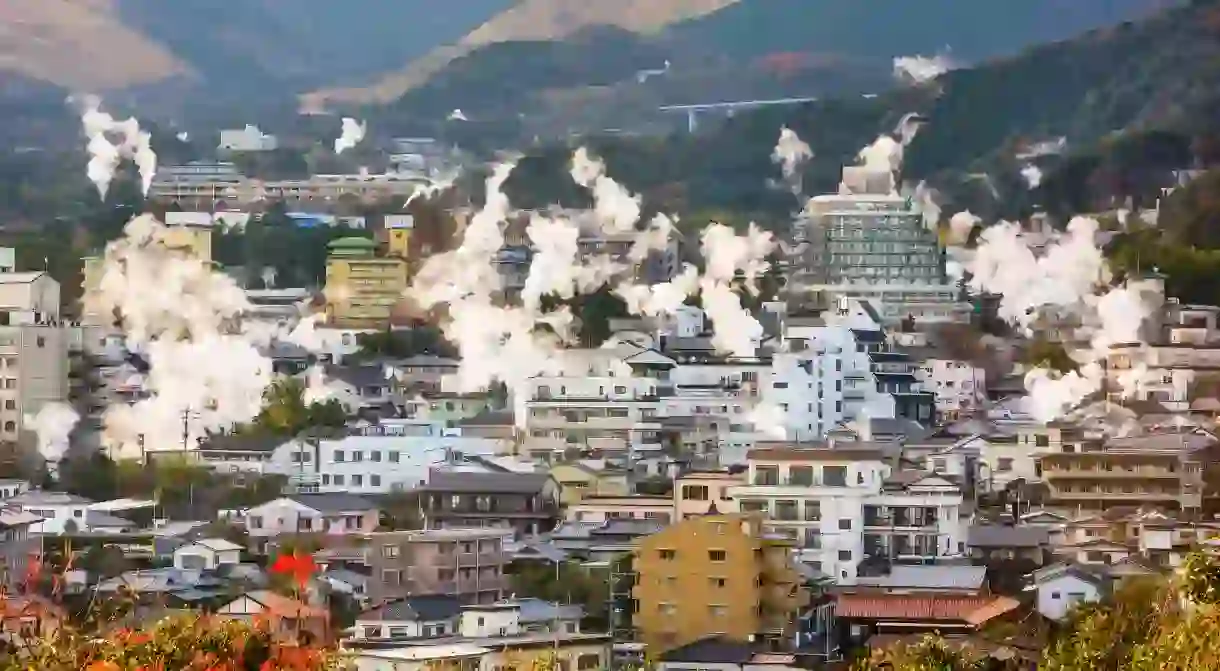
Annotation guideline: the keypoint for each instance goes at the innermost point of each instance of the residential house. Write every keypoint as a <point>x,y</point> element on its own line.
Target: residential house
<point>637,507</point>
<point>291,619</point>
<point>960,387</point>
<point>330,514</point>
<point>845,504</point>
<point>716,574</point>
<point>1000,543</point>
<point>525,502</point>
<point>580,479</point>
<point>408,618</point>
<point>915,579</point>
<point>865,614</point>
<point>17,547</point>
<point>705,492</point>
<point>1061,586</point>
<point>60,512</point>
<point>360,386</point>
<point>207,554</point>
<point>10,488</point>
<point>466,564</point>
<point>601,541</point>
<point>455,656</point>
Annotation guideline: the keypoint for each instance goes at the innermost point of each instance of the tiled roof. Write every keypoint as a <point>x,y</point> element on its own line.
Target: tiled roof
<point>488,483</point>
<point>338,502</point>
<point>814,453</point>
<point>415,608</point>
<point>999,536</point>
<point>282,606</point>
<point>972,610</point>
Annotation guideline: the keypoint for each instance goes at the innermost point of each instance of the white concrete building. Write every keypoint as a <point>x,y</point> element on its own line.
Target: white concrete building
<point>249,138</point>
<point>841,368</point>
<point>59,511</point>
<point>959,386</point>
<point>845,504</point>
<point>605,403</point>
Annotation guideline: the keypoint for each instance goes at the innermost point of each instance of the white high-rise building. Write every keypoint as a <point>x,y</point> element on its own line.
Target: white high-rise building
<point>840,367</point>
<point>33,349</point>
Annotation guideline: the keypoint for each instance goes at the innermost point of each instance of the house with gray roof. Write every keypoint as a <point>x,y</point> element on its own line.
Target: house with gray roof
<point>526,502</point>
<point>334,514</point>
<point>1001,542</point>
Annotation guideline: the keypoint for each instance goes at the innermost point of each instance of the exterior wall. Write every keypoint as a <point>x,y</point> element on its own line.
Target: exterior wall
<point>30,301</point>
<point>607,414</point>
<point>696,493</point>
<point>959,386</point>
<point>598,510</point>
<point>33,372</point>
<point>467,564</point>
<point>361,291</point>
<point>17,545</point>
<point>285,516</point>
<point>710,575</point>
<point>1057,596</point>
<point>56,517</point>
<point>576,483</point>
<point>197,557</point>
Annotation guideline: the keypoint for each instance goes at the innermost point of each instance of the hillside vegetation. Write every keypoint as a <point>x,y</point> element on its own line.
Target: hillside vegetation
<point>1134,102</point>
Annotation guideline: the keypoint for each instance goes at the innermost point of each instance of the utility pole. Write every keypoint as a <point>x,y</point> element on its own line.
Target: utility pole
<point>186,428</point>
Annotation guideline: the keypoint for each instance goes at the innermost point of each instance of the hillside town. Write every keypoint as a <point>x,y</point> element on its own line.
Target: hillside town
<point>871,474</point>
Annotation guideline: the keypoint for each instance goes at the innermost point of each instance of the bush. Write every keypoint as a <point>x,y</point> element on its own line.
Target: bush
<point>187,643</point>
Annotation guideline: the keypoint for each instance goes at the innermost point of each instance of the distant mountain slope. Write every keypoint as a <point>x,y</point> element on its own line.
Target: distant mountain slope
<point>528,21</point>
<point>80,44</point>
<point>763,48</point>
<point>1103,91</point>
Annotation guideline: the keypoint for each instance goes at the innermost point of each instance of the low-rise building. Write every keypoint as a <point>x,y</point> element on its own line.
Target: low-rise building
<point>597,509</point>
<point>17,547</point>
<point>1059,587</point>
<point>207,554</point>
<point>578,480</point>
<point>59,512</point>
<point>331,514</point>
<point>716,574</point>
<point>465,564</point>
<point>707,492</point>
<point>525,502</point>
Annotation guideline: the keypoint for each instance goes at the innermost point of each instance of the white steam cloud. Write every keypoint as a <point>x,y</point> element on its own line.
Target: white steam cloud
<point>921,69</point>
<point>1070,278</point>
<point>184,319</point>
<point>53,425</point>
<point>350,135</point>
<point>791,152</point>
<point>110,141</point>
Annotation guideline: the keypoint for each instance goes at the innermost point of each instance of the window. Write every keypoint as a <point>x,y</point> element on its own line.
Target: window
<point>801,476</point>
<point>1004,464</point>
<point>374,480</point>
<point>375,455</point>
<point>1042,441</point>
<point>393,456</point>
<point>357,480</point>
<point>1095,556</point>
<point>10,427</point>
<point>939,465</point>
<point>844,555</point>
<point>716,582</point>
<point>716,555</point>
<point>256,522</point>
<point>357,455</point>
<point>845,524</point>
<point>588,662</point>
<point>1055,596</point>
<point>694,492</point>
<point>834,476</point>
<point>10,404</point>
<point>338,480</point>
<point>389,551</point>
<point>718,610</point>
<point>668,555</point>
<point>372,632</point>
<point>338,456</point>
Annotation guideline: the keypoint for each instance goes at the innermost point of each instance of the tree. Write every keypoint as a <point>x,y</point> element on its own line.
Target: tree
<point>566,582</point>
<point>105,561</point>
<point>285,412</point>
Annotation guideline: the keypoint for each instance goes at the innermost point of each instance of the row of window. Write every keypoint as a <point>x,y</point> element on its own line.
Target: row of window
<point>340,456</point>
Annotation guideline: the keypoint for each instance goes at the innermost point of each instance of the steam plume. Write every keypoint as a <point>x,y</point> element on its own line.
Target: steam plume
<point>53,424</point>
<point>105,153</point>
<point>350,135</point>
<point>921,69</point>
<point>791,152</point>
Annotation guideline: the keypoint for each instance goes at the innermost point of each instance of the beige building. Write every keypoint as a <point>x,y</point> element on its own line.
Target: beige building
<point>577,480</point>
<point>33,349</point>
<point>702,493</point>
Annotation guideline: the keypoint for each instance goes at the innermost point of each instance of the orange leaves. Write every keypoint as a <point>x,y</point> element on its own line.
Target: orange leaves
<point>298,565</point>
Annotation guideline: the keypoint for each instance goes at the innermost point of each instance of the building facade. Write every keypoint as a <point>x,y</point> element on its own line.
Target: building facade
<point>464,563</point>
<point>362,288</point>
<point>716,574</point>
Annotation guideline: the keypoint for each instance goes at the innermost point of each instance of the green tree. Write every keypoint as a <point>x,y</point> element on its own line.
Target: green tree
<point>568,582</point>
<point>285,412</point>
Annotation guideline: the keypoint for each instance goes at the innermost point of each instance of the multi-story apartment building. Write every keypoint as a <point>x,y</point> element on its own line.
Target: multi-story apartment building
<point>362,288</point>
<point>868,242</point>
<point>842,505</point>
<point>1165,470</point>
<point>33,349</point>
<point>198,180</point>
<point>959,387</point>
<point>464,563</point>
<point>599,406</point>
<point>716,575</point>
<point>527,503</point>
<point>841,368</point>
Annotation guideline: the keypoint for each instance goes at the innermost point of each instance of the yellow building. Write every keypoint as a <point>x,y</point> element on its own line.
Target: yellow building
<point>577,481</point>
<point>398,229</point>
<point>715,575</point>
<point>361,287</point>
